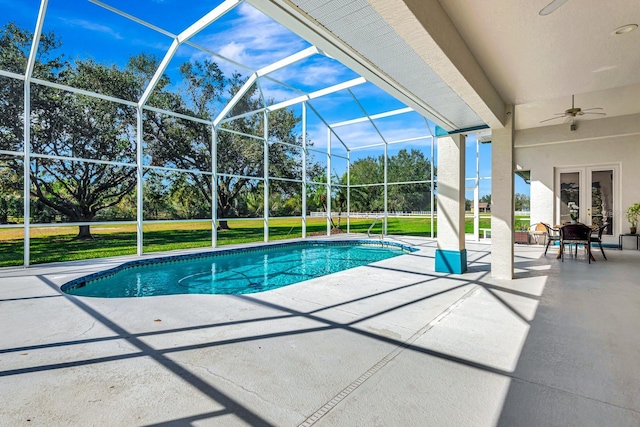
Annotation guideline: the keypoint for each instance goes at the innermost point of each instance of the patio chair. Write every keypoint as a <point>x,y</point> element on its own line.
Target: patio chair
<point>537,231</point>
<point>596,237</point>
<point>553,235</point>
<point>575,234</point>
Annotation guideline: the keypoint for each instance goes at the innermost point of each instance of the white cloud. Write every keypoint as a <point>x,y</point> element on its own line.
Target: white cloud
<point>93,26</point>
<point>313,75</point>
<point>253,39</point>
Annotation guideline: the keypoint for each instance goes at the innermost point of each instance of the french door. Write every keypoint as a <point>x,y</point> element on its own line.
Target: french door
<point>589,194</point>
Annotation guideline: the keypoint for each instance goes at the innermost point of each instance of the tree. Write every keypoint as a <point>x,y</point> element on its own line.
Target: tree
<point>186,145</point>
<point>66,124</point>
<point>366,171</point>
<point>521,202</point>
<point>10,195</point>
<point>405,166</point>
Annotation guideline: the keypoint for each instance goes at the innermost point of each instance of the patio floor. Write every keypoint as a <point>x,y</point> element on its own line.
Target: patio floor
<point>389,344</point>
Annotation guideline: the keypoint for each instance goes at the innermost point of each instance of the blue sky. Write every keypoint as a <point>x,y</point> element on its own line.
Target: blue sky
<point>245,36</point>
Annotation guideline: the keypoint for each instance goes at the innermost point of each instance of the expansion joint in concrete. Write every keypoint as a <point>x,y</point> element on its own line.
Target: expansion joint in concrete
<point>344,393</point>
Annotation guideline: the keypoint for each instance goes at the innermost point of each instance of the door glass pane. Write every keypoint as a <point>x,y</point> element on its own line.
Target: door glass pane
<point>602,199</point>
<point>569,196</point>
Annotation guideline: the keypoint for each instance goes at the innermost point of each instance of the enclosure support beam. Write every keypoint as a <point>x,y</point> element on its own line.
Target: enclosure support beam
<point>348,191</point>
<point>27,130</point>
<point>451,255</point>
<point>139,183</point>
<point>476,196</point>
<point>386,189</point>
<point>183,37</point>
<point>502,208</point>
<point>207,19</point>
<point>214,187</point>
<point>156,77</point>
<point>285,62</point>
<point>318,93</point>
<point>236,98</point>
<point>370,118</point>
<point>304,170</point>
<point>266,175</point>
<point>328,189</point>
<point>433,180</point>
<point>26,171</point>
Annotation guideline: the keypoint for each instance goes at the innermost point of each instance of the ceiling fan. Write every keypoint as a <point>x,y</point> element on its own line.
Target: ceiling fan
<point>551,7</point>
<point>573,112</point>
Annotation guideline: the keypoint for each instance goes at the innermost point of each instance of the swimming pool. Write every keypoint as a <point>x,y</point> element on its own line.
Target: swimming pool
<point>233,271</point>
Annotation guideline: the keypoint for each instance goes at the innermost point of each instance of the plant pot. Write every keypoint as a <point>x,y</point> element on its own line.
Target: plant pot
<point>632,230</point>
<point>521,237</point>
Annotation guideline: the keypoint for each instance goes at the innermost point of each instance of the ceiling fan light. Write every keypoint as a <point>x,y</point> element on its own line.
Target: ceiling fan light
<point>624,29</point>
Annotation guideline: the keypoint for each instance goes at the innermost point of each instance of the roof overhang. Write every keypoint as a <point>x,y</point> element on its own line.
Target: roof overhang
<point>408,48</point>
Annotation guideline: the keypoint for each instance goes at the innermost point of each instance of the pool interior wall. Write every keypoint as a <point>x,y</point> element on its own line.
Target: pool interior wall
<point>233,271</point>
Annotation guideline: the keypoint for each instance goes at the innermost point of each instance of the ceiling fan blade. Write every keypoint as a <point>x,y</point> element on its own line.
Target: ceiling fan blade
<point>552,118</point>
<point>594,108</point>
<point>597,114</point>
<point>551,7</point>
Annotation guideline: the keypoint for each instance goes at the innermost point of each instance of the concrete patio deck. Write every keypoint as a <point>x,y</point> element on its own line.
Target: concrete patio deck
<point>389,344</point>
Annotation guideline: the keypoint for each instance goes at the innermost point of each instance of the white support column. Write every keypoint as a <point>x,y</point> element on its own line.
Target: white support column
<point>304,170</point>
<point>266,176</point>
<point>328,189</point>
<point>139,183</point>
<point>214,187</point>
<point>451,255</point>
<point>502,203</point>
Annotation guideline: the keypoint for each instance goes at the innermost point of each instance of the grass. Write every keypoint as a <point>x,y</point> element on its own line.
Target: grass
<point>50,244</point>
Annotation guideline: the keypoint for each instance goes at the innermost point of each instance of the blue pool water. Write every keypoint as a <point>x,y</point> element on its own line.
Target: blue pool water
<point>232,271</point>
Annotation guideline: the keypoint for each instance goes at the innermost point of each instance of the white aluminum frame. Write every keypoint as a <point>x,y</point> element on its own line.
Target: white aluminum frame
<point>215,126</point>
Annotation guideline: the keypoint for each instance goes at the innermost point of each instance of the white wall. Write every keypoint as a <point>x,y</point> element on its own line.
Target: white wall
<point>614,140</point>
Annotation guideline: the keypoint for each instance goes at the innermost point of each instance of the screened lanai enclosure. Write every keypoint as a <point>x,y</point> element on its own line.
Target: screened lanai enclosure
<point>132,127</point>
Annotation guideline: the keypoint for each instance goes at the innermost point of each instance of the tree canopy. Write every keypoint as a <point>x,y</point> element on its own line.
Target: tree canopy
<point>407,166</point>
<point>65,124</point>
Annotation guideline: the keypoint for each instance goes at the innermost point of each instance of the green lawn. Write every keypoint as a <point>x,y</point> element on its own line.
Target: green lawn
<point>49,244</point>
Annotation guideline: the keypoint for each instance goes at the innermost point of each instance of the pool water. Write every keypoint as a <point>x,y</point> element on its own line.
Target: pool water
<point>231,272</point>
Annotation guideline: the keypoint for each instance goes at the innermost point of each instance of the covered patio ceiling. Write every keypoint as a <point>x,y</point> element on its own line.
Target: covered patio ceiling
<point>459,62</point>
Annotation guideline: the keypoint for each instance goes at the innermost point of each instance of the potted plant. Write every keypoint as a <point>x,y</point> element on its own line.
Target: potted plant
<point>574,210</point>
<point>633,212</point>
